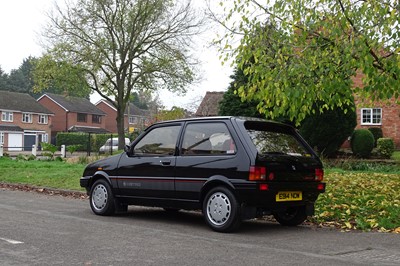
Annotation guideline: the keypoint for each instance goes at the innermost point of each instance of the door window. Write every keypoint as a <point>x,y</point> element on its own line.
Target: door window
<point>207,139</point>
<point>159,141</point>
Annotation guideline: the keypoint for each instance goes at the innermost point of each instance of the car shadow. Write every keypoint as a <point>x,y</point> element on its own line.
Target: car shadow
<point>195,220</point>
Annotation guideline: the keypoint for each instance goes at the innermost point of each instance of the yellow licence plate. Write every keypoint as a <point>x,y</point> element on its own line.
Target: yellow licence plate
<point>289,196</point>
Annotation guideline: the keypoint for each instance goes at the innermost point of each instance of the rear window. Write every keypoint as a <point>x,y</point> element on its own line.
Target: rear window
<point>269,140</point>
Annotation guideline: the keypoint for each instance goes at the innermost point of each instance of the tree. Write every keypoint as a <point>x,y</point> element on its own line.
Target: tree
<point>124,46</point>
<point>60,77</point>
<point>3,80</point>
<point>232,104</point>
<point>318,45</point>
<point>174,113</point>
<point>20,80</point>
<point>328,130</point>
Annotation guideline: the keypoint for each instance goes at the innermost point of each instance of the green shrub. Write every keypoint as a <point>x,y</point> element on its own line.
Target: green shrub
<point>362,143</point>
<point>377,133</point>
<point>49,150</point>
<point>73,148</point>
<point>328,131</point>
<point>385,147</point>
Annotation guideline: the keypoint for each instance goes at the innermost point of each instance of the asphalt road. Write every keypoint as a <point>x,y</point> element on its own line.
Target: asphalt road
<point>37,229</point>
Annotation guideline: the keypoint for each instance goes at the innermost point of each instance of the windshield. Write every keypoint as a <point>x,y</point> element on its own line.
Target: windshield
<point>271,142</point>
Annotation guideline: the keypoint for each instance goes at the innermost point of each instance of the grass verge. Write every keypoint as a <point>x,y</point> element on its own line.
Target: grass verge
<point>52,174</point>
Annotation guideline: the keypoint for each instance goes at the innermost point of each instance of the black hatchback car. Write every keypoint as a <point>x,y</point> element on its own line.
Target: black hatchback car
<point>229,167</point>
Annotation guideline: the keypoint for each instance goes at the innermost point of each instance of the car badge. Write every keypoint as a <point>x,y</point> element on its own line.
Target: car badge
<point>294,168</point>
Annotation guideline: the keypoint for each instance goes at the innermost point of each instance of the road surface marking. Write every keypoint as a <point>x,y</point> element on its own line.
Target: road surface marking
<point>14,242</point>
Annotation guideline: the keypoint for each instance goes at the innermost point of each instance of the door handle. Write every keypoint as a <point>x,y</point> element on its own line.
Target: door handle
<point>165,162</point>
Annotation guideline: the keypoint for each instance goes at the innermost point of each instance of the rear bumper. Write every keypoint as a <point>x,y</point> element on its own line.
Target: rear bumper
<point>250,194</point>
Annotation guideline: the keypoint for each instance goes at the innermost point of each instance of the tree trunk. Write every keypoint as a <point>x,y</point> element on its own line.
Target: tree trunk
<point>120,128</point>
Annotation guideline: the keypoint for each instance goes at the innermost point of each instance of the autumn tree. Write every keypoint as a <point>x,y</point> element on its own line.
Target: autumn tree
<point>318,46</point>
<point>124,46</point>
<point>232,104</point>
<point>172,114</point>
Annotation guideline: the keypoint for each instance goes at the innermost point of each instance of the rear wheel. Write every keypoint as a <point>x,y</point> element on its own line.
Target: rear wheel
<point>292,216</point>
<point>221,210</point>
<point>101,198</point>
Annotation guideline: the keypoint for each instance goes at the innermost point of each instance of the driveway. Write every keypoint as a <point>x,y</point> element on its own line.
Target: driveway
<point>38,229</point>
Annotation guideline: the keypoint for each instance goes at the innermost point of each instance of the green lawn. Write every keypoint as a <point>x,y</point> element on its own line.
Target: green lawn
<point>353,200</point>
<point>52,174</point>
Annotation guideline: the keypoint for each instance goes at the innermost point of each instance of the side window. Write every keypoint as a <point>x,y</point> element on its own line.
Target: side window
<point>207,139</point>
<point>159,141</point>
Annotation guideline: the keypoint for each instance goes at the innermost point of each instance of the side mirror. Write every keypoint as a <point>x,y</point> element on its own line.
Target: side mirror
<point>127,149</point>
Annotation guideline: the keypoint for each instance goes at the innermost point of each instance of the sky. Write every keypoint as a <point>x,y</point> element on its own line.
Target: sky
<point>20,25</point>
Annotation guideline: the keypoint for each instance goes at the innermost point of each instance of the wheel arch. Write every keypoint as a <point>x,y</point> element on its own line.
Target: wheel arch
<point>100,175</point>
<point>216,181</point>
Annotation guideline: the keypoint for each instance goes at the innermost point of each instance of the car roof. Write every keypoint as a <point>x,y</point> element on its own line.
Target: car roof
<point>211,118</point>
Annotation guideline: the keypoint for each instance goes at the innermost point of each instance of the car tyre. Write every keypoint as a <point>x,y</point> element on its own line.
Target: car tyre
<point>221,210</point>
<point>101,198</point>
<point>292,216</point>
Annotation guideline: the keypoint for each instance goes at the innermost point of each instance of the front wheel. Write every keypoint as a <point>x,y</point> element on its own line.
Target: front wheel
<point>221,210</point>
<point>292,216</point>
<point>101,198</point>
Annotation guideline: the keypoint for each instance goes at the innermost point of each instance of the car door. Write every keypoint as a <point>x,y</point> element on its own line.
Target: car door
<point>208,150</point>
<point>148,170</point>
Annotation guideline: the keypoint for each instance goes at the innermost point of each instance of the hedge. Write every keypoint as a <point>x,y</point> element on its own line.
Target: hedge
<point>96,140</point>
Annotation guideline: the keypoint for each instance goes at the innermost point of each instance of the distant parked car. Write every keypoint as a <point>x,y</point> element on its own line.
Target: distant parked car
<point>111,143</point>
<point>231,168</point>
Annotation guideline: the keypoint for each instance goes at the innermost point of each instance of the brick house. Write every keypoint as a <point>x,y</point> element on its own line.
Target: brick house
<point>24,122</point>
<point>134,118</point>
<point>73,114</point>
<point>209,106</point>
<point>385,115</point>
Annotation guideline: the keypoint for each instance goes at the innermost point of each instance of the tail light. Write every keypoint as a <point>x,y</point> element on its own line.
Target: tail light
<point>319,174</point>
<point>257,173</point>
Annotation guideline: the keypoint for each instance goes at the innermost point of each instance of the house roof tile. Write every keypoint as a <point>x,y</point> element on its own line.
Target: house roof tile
<point>22,102</point>
<point>209,106</point>
<point>132,109</point>
<point>75,104</point>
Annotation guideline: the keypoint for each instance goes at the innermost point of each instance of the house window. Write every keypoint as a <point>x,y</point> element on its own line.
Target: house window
<point>26,118</point>
<point>96,119</point>
<point>82,117</point>
<point>1,138</point>
<point>371,116</point>
<point>133,120</point>
<point>7,116</point>
<point>43,119</point>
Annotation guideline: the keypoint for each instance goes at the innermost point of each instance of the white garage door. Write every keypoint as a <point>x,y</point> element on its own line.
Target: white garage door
<point>14,142</point>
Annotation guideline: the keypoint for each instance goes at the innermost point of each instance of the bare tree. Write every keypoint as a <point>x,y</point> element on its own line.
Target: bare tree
<point>123,46</point>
